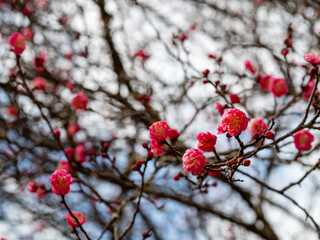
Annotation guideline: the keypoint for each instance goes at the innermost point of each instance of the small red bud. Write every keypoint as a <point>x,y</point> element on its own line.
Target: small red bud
<point>233,161</point>
<point>284,51</point>
<point>105,147</point>
<point>12,75</point>
<point>258,78</point>
<point>145,145</point>
<point>206,72</point>
<point>56,132</point>
<point>234,166</point>
<point>269,135</point>
<point>313,70</point>
<point>210,55</point>
<point>288,42</point>
<point>223,87</point>
<point>205,81</point>
<point>146,235</point>
<point>69,152</point>
<point>139,162</point>
<point>246,162</point>
<point>183,37</point>
<point>150,155</point>
<point>219,59</point>
<point>176,177</point>
<point>234,98</point>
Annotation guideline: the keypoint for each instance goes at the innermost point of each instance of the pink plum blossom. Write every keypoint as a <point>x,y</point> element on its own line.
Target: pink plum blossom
<point>278,87</point>
<point>303,140</point>
<point>18,43</point>
<point>257,126</point>
<point>73,129</point>
<point>313,57</point>
<point>265,82</point>
<point>156,146</point>
<point>308,91</point>
<point>219,108</point>
<point>39,83</point>
<point>234,98</point>
<point>233,121</point>
<point>72,222</point>
<point>64,165</point>
<point>80,101</point>
<point>159,130</point>
<point>193,161</point>
<point>60,181</point>
<point>207,141</point>
<point>249,66</point>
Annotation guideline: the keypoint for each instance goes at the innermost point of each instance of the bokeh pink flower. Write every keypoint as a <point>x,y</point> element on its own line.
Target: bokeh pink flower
<point>79,101</point>
<point>303,140</point>
<point>72,221</point>
<point>257,126</point>
<point>18,43</point>
<point>278,87</point>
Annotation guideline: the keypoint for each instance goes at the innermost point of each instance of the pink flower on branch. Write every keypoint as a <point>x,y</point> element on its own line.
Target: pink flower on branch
<point>308,91</point>
<point>61,181</point>
<point>156,146</point>
<point>80,153</point>
<point>265,82</point>
<point>142,55</point>
<point>72,221</point>
<point>18,43</point>
<point>234,98</point>
<point>12,111</point>
<point>159,130</point>
<point>233,121</point>
<point>219,108</point>
<point>39,62</point>
<point>39,83</point>
<point>173,134</point>
<point>207,141</point>
<point>193,161</point>
<point>303,140</point>
<point>27,33</point>
<point>214,173</point>
<point>73,128</point>
<point>64,165</point>
<point>278,87</point>
<point>257,126</point>
<point>313,58</point>
<point>249,66</point>
<point>80,101</point>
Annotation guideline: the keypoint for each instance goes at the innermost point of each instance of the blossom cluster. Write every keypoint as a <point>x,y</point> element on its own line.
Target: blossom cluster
<point>158,132</point>
<point>277,86</point>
